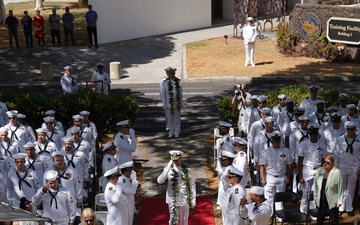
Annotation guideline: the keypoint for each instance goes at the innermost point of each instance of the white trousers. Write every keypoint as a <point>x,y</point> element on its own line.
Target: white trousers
<point>349,181</point>
<point>249,53</point>
<point>274,185</point>
<point>306,187</point>
<point>174,121</point>
<point>182,214</point>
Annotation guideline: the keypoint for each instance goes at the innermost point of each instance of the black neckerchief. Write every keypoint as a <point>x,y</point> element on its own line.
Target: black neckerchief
<point>304,136</point>
<point>53,196</point>
<point>349,146</point>
<point>7,151</point>
<point>52,134</point>
<point>290,118</point>
<point>70,161</point>
<point>320,119</point>
<point>31,164</point>
<point>22,179</point>
<point>13,134</point>
<point>268,140</point>
<point>77,148</point>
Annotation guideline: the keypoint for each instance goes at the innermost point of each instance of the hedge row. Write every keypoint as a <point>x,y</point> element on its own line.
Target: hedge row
<point>105,111</point>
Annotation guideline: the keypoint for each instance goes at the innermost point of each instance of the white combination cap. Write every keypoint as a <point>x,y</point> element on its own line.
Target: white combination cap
<point>227,155</point>
<point>114,172</point>
<point>351,124</point>
<point>224,124</point>
<point>127,166</point>
<point>281,96</point>
<point>175,154</point>
<point>170,69</point>
<point>239,141</point>
<point>123,123</point>
<point>108,146</point>
<point>233,172</point>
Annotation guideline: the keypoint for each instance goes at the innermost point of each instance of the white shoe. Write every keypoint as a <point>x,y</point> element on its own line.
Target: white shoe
<point>167,128</point>
<point>253,64</point>
<point>170,135</point>
<point>176,135</point>
<point>246,65</point>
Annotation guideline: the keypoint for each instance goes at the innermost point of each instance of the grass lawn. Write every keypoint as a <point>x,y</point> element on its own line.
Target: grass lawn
<point>19,8</point>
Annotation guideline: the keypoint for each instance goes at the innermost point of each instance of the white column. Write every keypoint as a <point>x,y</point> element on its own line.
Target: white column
<point>115,70</point>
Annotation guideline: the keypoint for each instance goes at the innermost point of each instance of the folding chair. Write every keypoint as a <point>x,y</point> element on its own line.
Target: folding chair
<point>294,217</point>
<point>101,183</point>
<point>99,201</point>
<point>314,212</point>
<point>285,197</point>
<point>216,138</point>
<point>102,216</point>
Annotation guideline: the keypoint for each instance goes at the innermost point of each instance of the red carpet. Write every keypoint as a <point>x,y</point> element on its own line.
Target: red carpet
<point>154,211</point>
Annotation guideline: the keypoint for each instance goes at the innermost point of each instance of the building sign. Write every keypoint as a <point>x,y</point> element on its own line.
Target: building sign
<point>309,25</point>
<point>343,30</point>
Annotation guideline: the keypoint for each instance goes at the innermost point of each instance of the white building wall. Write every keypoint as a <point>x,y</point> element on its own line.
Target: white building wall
<point>127,19</point>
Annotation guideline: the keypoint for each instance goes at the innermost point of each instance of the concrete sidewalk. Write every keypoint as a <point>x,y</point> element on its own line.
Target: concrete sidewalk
<point>142,59</point>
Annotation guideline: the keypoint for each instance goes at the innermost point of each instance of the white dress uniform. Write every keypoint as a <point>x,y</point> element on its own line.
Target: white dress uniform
<point>259,214</point>
<point>9,148</point>
<point>108,163</point>
<point>85,133</point>
<point>183,207</point>
<point>256,127</point>
<point>79,162</point>
<point>117,205</point>
<point>70,179</point>
<point>309,105</point>
<point>174,119</point>
<point>5,164</point>
<point>255,115</point>
<point>284,119</point>
<point>45,149</point>
<point>241,163</point>
<point>125,146</point>
<point>242,107</point>
<point>3,116</point>
<point>69,84</point>
<point>261,143</point>
<point>313,154</point>
<point>276,110</point>
<point>347,155</point>
<point>39,164</point>
<point>233,216</point>
<point>354,118</point>
<point>245,118</point>
<point>55,136</point>
<point>223,191</point>
<point>56,205</point>
<point>276,162</point>
<point>106,82</point>
<point>224,144</point>
<point>129,187</point>
<point>85,147</point>
<point>19,134</point>
<point>319,118</point>
<point>330,135</point>
<point>290,129</point>
<point>249,34</point>
<point>21,184</point>
<point>94,131</point>
<point>58,126</point>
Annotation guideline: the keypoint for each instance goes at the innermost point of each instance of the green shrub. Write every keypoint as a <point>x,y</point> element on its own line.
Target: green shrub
<point>105,111</point>
<point>229,113</point>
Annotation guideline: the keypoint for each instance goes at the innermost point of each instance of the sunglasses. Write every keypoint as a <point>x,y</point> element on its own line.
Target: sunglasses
<point>350,129</point>
<point>262,103</point>
<point>89,221</point>
<point>327,162</point>
<point>12,118</point>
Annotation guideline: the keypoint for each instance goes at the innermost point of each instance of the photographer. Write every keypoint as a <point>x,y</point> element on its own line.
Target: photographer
<point>242,100</point>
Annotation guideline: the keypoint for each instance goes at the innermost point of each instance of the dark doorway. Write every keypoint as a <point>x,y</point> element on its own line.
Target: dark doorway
<point>217,9</point>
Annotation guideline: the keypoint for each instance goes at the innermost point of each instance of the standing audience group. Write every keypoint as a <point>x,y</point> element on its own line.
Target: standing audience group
<point>38,22</point>
<point>311,150</point>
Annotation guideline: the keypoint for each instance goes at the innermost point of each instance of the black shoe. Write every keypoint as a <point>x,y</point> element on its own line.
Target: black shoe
<point>351,213</point>
<point>96,46</point>
<point>341,213</point>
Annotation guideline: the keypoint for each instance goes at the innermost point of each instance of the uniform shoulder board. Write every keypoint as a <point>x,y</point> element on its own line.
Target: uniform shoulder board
<point>109,160</point>
<point>236,190</point>
<point>124,181</point>
<point>242,154</point>
<point>121,137</point>
<point>110,188</point>
<point>228,139</point>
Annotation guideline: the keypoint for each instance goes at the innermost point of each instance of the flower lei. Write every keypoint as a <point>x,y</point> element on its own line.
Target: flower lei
<point>171,94</point>
<point>175,189</point>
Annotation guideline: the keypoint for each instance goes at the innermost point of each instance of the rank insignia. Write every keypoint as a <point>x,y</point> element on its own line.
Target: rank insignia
<point>110,188</point>
<point>236,190</point>
<point>121,137</point>
<point>242,154</point>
